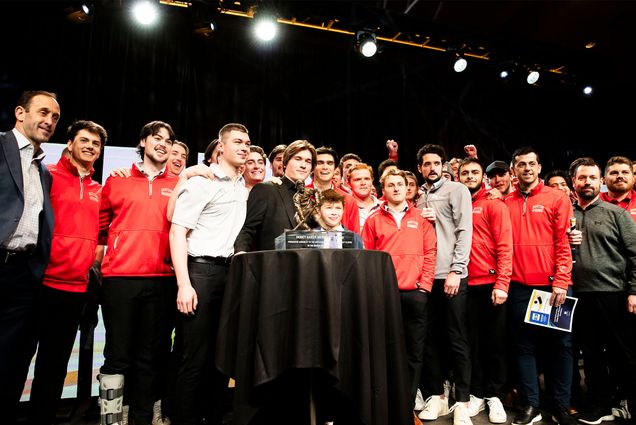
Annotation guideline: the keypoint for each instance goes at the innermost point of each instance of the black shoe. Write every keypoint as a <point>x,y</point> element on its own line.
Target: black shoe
<point>562,417</point>
<point>595,415</point>
<point>527,415</point>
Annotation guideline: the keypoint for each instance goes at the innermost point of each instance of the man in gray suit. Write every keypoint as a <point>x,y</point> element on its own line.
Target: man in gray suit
<point>26,225</point>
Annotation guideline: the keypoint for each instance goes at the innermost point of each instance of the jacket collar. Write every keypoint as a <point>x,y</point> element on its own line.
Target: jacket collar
<point>66,163</point>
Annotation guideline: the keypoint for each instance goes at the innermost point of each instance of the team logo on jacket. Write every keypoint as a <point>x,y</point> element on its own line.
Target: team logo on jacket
<point>412,224</point>
<point>93,196</point>
<point>166,191</point>
<point>538,208</point>
<point>478,210</point>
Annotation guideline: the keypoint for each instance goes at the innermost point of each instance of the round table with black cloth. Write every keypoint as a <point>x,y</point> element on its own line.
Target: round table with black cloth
<point>321,322</point>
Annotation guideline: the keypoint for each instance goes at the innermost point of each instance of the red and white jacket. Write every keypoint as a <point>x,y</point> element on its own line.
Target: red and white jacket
<point>541,251</point>
<point>412,245</point>
<point>491,250</point>
<point>628,203</point>
<point>75,201</point>
<point>133,223</point>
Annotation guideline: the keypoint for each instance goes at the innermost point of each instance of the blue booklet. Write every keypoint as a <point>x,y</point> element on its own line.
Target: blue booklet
<point>541,313</point>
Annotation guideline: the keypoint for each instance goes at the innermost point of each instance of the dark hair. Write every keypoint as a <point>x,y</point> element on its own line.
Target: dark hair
<point>430,148</point>
<point>26,97</point>
<point>150,129</point>
<point>330,196</point>
<point>412,175</point>
<point>207,155</point>
<point>258,150</point>
<point>297,146</point>
<point>399,173</point>
<point>523,151</point>
<point>466,161</point>
<point>348,156</point>
<point>618,160</point>
<point>277,149</point>
<point>558,173</point>
<point>324,150</point>
<point>386,164</point>
<point>579,162</point>
<point>89,126</point>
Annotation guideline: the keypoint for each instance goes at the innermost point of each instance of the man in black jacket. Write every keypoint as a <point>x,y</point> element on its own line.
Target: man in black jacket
<point>270,206</point>
<point>26,225</point>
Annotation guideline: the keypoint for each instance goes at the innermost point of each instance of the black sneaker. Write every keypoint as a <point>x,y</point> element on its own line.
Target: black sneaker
<point>528,415</point>
<point>595,415</point>
<point>562,417</point>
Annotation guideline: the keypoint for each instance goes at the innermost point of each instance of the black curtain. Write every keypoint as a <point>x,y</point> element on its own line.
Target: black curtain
<point>307,84</point>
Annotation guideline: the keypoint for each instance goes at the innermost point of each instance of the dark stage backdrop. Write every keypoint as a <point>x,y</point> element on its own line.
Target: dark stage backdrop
<point>307,84</point>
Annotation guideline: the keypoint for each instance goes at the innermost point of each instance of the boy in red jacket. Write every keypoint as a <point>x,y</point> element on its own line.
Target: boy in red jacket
<point>400,230</point>
<point>489,272</point>
<point>139,287</point>
<point>75,198</point>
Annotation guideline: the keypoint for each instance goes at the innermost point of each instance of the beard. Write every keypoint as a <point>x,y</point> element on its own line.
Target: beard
<point>587,195</point>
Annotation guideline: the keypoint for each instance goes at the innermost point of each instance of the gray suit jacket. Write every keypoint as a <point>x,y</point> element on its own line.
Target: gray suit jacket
<point>12,201</point>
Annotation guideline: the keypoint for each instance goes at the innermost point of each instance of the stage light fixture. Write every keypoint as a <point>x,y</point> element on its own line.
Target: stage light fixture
<point>460,63</point>
<point>588,90</point>
<point>145,12</point>
<point>81,14</point>
<point>366,43</point>
<point>265,28</point>
<point>533,76</point>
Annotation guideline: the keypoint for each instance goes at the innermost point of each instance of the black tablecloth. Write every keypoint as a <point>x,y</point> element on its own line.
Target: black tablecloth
<point>334,311</point>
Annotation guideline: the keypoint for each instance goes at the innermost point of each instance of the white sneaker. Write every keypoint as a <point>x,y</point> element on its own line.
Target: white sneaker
<point>419,401</point>
<point>475,405</point>
<point>496,411</point>
<point>434,407</point>
<point>460,414</point>
<point>622,411</point>
<point>125,410</point>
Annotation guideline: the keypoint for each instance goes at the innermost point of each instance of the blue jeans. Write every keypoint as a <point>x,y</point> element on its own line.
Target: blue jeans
<point>529,342</point>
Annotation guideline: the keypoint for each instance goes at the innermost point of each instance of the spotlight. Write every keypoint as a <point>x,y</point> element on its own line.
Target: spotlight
<point>81,14</point>
<point>205,29</point>
<point>588,90</point>
<point>460,63</point>
<point>533,76</point>
<point>504,74</point>
<point>265,28</point>
<point>366,43</point>
<point>145,12</point>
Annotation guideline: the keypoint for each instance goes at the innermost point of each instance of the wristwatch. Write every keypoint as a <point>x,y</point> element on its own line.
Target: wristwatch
<point>456,271</point>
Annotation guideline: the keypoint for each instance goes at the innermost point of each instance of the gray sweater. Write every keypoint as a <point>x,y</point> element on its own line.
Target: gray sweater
<point>606,258</point>
<point>453,208</point>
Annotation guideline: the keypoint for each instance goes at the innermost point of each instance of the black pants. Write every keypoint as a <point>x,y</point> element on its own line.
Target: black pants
<point>605,330</point>
<point>447,327</point>
<point>195,348</point>
<point>137,315</point>
<point>415,319</point>
<point>487,333</point>
<point>18,289</point>
<point>58,317</point>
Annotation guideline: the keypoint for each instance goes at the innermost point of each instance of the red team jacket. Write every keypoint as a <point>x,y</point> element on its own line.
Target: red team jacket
<point>628,204</point>
<point>491,250</point>
<point>75,201</point>
<point>542,253</point>
<point>137,239</point>
<point>412,247</point>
